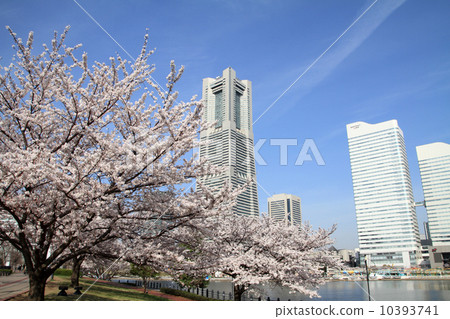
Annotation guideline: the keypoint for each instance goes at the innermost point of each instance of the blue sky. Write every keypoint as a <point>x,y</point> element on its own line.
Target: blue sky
<point>394,63</point>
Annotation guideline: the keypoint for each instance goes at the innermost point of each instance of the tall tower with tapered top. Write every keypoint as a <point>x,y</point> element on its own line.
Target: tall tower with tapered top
<point>228,103</point>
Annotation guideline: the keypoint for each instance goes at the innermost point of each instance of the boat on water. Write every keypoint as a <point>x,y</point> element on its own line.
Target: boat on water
<point>348,276</point>
<point>387,274</point>
<point>375,276</point>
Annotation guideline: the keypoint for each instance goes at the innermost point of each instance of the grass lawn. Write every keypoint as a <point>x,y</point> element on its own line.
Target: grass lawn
<point>100,291</point>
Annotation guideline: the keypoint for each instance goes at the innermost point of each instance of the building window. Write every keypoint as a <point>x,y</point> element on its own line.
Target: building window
<point>237,109</point>
<point>219,108</point>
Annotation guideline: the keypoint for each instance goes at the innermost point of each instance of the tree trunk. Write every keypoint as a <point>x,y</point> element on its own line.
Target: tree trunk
<point>238,292</point>
<point>37,283</point>
<point>76,266</point>
<point>144,283</point>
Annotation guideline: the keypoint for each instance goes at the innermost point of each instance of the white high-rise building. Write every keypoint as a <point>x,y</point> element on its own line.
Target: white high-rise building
<point>434,163</point>
<point>228,102</point>
<point>285,207</point>
<point>385,212</point>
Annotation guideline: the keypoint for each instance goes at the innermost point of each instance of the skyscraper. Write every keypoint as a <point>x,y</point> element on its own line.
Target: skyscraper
<point>228,102</point>
<point>385,211</point>
<point>285,207</point>
<point>434,164</point>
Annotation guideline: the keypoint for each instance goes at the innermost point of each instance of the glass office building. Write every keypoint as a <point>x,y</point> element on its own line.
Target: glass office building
<point>434,164</point>
<point>285,207</point>
<point>385,210</point>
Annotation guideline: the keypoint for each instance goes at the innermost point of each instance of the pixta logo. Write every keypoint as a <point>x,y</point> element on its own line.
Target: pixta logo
<point>307,152</point>
<point>286,147</point>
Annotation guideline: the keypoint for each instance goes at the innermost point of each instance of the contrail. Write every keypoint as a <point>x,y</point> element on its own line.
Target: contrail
<point>316,60</point>
<point>115,41</point>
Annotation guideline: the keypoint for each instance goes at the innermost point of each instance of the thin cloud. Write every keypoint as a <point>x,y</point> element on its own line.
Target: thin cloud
<point>351,40</point>
<point>379,13</point>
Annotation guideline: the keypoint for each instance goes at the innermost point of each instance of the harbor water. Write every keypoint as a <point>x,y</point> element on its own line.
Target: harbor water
<point>380,290</point>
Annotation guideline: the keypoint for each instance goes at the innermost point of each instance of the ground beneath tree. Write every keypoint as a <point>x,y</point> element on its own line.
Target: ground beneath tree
<point>101,290</point>
<point>155,293</point>
<point>13,285</point>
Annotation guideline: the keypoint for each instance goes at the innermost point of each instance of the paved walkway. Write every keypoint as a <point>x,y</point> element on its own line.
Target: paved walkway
<point>13,285</point>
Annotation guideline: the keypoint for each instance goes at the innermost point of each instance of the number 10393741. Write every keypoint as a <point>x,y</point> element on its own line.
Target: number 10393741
<point>409,310</point>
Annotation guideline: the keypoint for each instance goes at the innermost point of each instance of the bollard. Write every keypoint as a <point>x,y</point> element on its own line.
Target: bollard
<point>77,290</point>
<point>63,290</point>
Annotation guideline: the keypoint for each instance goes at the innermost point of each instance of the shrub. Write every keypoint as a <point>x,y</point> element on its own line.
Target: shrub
<point>63,272</point>
<point>5,272</point>
<point>185,294</point>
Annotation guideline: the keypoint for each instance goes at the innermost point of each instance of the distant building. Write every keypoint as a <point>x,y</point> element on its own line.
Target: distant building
<point>333,250</point>
<point>228,104</point>
<point>285,207</point>
<point>426,228</point>
<point>425,244</point>
<point>357,257</point>
<point>385,210</point>
<point>439,256</point>
<point>434,163</point>
<point>348,257</point>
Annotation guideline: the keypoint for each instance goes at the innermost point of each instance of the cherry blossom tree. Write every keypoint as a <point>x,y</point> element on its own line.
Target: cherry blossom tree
<point>255,251</point>
<point>103,267</point>
<point>89,155</point>
<point>76,270</point>
<point>8,254</point>
<point>144,272</point>
<point>177,250</point>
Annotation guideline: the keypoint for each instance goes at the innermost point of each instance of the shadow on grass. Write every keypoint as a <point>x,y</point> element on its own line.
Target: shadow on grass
<point>102,292</point>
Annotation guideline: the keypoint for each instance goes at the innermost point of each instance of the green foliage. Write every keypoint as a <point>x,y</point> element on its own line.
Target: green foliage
<point>185,294</point>
<point>192,281</point>
<point>143,271</point>
<point>101,291</point>
<point>63,272</point>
